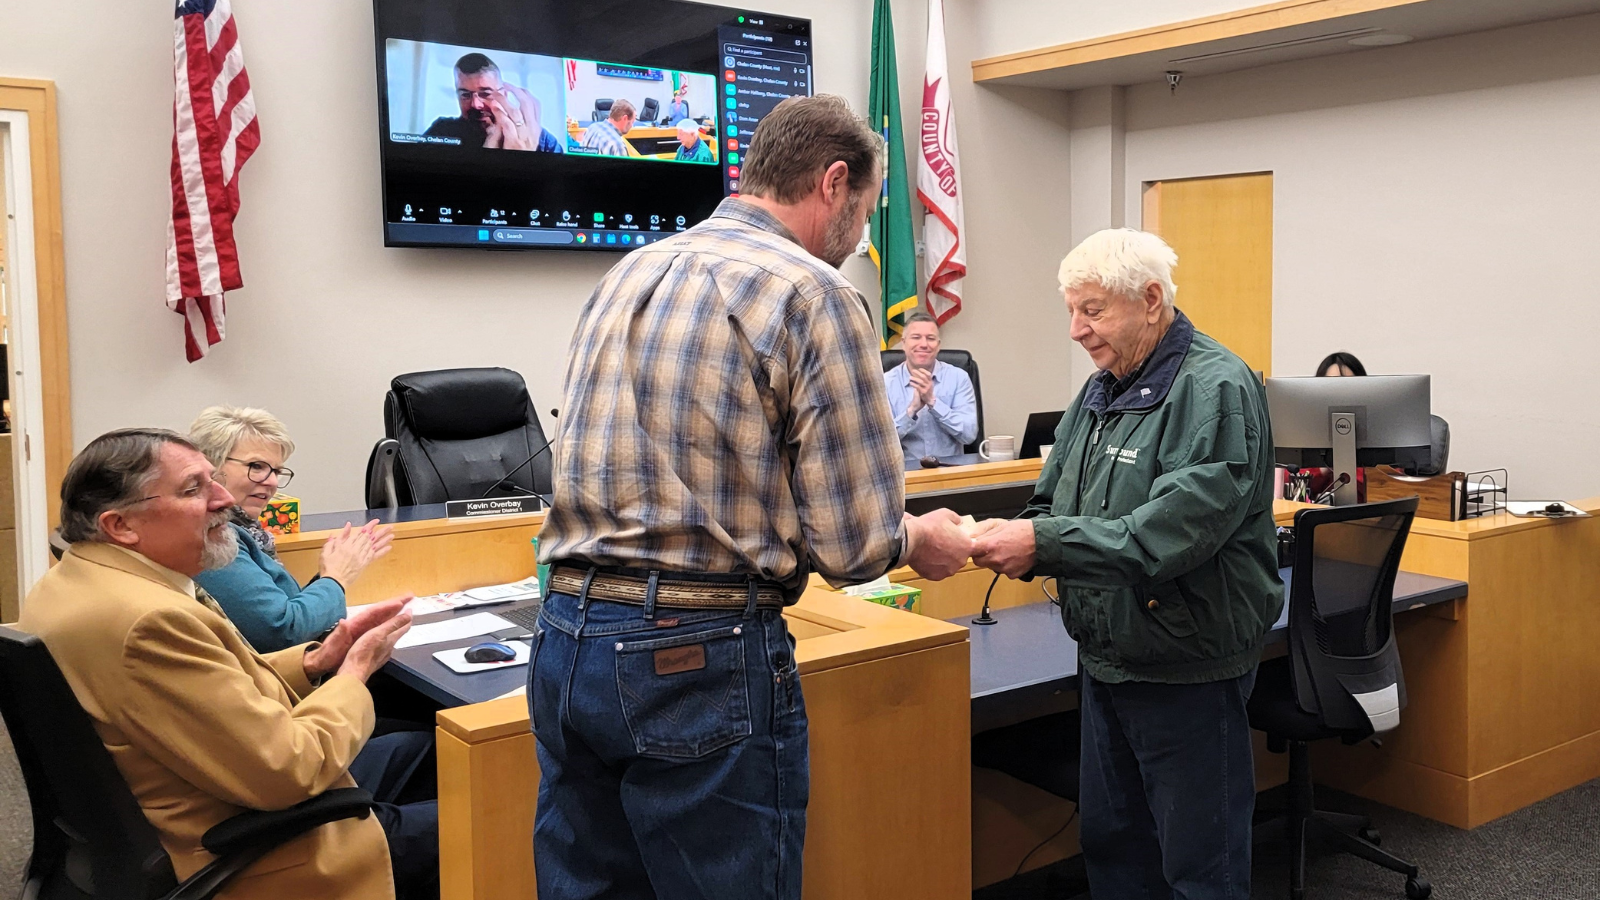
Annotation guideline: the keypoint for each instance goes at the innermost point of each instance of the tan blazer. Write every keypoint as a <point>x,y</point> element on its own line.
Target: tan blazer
<point>203,727</point>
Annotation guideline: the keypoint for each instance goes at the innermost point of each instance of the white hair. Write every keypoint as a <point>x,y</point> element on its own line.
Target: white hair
<point>1123,261</point>
<point>688,126</point>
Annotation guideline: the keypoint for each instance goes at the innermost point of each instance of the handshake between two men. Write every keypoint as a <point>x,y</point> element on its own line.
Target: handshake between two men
<point>941,542</point>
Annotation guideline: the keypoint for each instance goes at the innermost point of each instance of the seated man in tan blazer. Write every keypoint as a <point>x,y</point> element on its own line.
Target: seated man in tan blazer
<point>200,725</point>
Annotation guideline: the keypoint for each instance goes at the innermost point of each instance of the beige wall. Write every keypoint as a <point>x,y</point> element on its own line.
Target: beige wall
<point>1009,26</point>
<point>328,315</point>
<point>1434,212</point>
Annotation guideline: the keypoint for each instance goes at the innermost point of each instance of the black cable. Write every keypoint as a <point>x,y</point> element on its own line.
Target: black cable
<point>983,617</point>
<point>1045,841</point>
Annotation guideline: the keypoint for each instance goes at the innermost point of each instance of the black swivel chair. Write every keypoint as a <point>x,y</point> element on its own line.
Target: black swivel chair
<point>90,838</point>
<point>961,359</point>
<point>452,434</point>
<point>650,110</point>
<point>602,109</point>
<point>1341,678</point>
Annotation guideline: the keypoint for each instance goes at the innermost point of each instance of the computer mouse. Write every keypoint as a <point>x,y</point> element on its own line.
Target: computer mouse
<point>490,652</point>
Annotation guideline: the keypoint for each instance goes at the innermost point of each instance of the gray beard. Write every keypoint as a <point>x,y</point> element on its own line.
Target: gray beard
<point>221,551</point>
<point>840,240</point>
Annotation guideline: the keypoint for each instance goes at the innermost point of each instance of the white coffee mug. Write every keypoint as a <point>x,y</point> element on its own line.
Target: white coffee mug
<point>1044,450</point>
<point>1004,447</point>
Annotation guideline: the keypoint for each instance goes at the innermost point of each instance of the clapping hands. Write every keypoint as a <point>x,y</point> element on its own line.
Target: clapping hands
<point>347,554</point>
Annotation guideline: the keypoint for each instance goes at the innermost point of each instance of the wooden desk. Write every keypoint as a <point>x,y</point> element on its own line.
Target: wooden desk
<point>886,692</point>
<point>1504,692</point>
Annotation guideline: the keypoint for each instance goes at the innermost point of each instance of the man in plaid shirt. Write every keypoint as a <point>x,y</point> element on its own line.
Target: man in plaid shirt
<point>725,434</point>
<point>605,138</point>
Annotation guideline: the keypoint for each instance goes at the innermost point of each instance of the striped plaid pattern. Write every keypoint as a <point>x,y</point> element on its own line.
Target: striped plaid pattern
<point>604,138</point>
<point>725,412</point>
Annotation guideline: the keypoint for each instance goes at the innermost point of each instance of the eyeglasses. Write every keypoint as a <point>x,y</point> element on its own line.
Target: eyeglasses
<point>259,471</point>
<point>191,492</point>
<point>487,95</point>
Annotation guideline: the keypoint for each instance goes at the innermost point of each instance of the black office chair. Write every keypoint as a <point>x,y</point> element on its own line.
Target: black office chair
<point>454,434</point>
<point>650,110</point>
<point>1341,678</point>
<point>602,109</point>
<point>961,359</point>
<point>90,838</point>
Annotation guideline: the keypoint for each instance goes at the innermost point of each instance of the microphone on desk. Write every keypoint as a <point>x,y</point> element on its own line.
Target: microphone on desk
<point>1341,481</point>
<point>983,617</point>
<point>546,500</point>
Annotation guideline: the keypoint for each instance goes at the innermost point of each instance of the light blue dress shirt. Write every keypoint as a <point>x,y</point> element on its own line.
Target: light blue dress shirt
<point>943,429</point>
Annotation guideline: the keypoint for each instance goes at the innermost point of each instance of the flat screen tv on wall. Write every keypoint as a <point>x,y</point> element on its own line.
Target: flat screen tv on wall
<point>549,124</point>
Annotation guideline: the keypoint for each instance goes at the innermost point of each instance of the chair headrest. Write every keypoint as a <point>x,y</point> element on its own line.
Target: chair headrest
<point>462,404</point>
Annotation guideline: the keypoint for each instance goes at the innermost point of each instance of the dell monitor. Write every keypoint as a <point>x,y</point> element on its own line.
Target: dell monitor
<point>563,125</point>
<point>1344,423</point>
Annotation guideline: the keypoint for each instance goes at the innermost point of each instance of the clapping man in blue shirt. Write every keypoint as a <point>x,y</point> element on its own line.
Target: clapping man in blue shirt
<point>935,409</point>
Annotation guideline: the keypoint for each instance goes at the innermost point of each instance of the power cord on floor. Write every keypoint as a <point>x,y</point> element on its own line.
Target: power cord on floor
<point>1047,840</point>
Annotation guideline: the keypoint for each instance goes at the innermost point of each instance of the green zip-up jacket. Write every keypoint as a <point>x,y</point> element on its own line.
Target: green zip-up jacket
<point>1154,512</point>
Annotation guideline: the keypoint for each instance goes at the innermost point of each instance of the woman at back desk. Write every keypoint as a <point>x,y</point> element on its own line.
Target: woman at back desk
<point>1346,365</point>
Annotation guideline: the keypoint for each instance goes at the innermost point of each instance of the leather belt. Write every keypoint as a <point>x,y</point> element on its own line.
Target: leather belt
<point>680,592</point>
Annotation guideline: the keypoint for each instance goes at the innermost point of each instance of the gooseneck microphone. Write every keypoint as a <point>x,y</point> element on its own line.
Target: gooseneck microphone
<point>548,446</point>
<point>984,618</point>
<point>545,449</point>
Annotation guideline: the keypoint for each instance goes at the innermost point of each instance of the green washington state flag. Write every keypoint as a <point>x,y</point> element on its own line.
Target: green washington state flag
<point>893,251</point>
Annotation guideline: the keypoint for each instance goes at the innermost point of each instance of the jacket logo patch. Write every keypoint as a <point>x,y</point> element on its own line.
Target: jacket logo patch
<point>1129,455</point>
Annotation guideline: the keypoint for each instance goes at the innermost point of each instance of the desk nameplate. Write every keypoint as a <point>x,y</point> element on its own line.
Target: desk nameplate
<point>497,506</point>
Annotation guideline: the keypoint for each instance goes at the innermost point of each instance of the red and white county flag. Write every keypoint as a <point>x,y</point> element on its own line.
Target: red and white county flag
<point>939,179</point>
<point>214,132</point>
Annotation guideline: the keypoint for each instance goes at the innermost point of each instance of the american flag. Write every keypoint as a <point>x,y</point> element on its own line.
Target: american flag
<point>214,132</point>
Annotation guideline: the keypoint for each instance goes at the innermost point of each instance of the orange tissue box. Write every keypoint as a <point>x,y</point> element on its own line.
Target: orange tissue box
<point>282,515</point>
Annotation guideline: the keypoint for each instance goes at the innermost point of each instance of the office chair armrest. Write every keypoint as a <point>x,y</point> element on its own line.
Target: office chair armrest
<point>274,827</point>
<point>240,841</point>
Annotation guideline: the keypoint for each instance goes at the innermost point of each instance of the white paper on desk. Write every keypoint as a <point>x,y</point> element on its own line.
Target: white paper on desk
<point>452,630</point>
<point>526,589</point>
<point>432,603</point>
<point>1535,509</point>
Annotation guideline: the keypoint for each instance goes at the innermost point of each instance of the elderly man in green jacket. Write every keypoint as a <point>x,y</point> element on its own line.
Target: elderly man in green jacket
<point>1154,513</point>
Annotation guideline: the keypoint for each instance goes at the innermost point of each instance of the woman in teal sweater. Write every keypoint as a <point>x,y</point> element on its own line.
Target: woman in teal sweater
<point>248,448</point>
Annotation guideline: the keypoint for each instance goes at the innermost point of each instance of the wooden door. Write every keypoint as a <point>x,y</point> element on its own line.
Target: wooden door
<point>1222,230</point>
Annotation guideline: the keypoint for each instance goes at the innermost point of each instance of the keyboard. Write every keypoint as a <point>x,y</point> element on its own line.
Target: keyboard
<point>525,617</point>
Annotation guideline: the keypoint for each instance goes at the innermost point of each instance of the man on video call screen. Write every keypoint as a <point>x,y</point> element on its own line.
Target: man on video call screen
<point>494,114</point>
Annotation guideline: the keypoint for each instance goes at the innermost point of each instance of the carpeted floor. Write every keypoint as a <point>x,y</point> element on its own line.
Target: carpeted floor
<point>16,820</point>
<point>1549,851</point>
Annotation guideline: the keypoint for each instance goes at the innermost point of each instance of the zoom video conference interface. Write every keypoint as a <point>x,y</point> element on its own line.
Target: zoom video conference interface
<point>551,124</point>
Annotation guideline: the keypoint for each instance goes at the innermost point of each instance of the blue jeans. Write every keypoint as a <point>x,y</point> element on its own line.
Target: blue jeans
<point>1168,790</point>
<point>673,754</point>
